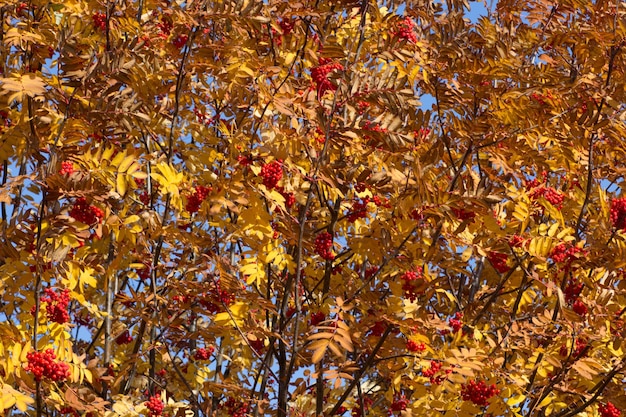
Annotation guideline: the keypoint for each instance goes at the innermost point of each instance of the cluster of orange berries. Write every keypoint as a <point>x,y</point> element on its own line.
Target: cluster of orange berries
<point>85,212</point>
<point>99,21</point>
<point>404,30</point>
<point>56,305</point>
<point>478,392</point>
<point>323,246</point>
<point>618,213</point>
<point>203,354</point>
<point>67,168</point>
<point>320,74</point>
<point>194,201</point>
<point>609,410</point>
<point>155,405</point>
<point>431,373</point>
<point>43,365</point>
<point>272,173</point>
<point>410,284</point>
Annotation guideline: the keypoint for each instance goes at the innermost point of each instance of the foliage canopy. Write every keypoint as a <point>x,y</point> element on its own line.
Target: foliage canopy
<point>231,208</point>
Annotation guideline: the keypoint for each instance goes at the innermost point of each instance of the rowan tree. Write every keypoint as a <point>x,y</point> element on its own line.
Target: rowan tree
<point>314,208</point>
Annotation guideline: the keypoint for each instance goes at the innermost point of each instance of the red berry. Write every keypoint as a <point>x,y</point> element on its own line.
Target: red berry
<point>404,30</point>
<point>272,173</point>
<point>198,195</point>
<point>67,168</point>
<point>124,339</point>
<point>86,213</point>
<point>43,365</point>
<point>412,283</point>
<point>609,410</point>
<point>320,74</point>
<point>317,318</point>
<point>323,246</point>
<point>413,346</point>
<point>618,213</point>
<point>499,261</point>
<point>580,308</point>
<point>100,21</point>
<point>478,392</point>
<point>155,406</point>
<point>203,354</point>
<point>180,41</point>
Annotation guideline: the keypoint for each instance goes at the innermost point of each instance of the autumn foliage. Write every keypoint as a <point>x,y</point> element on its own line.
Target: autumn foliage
<point>314,208</point>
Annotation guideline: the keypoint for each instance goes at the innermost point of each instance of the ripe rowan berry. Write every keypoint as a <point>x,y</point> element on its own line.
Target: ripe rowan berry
<point>43,365</point>
<point>609,410</point>
<point>195,199</point>
<point>499,261</point>
<point>203,354</point>
<point>180,41</point>
<point>323,246</point>
<point>56,305</point>
<point>124,339</point>
<point>618,213</point>
<point>580,308</point>
<point>86,213</point>
<point>320,74</point>
<point>404,30</point>
<point>317,318</point>
<point>411,285</point>
<point>413,346</point>
<point>478,392</point>
<point>100,21</point>
<point>67,168</point>
<point>272,173</point>
<point>155,405</point>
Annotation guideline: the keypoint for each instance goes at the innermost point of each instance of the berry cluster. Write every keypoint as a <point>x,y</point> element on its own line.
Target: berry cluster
<point>580,349</point>
<point>404,30</point>
<point>564,253</point>
<point>357,412</point>
<point>272,173</point>
<point>99,21</point>
<point>358,210</point>
<point>463,214</point>
<point>67,168</point>
<point>580,308</point>
<point>399,404</point>
<point>411,284</point>
<point>609,410</point>
<point>362,106</point>
<point>431,373</point>
<point>258,345</point>
<point>203,354</point>
<point>124,339</point>
<point>499,261</point>
<point>56,305</point>
<point>165,27</point>
<point>324,245</point>
<point>317,318</point>
<point>155,405</point>
<point>478,392</point>
<point>573,290</point>
<point>236,408</point>
<point>551,195</point>
<point>194,201</point>
<point>456,322</point>
<point>43,365</point>
<point>320,74</point>
<point>286,25</point>
<point>290,198</point>
<point>618,213</point>
<point>180,41</point>
<point>215,299</point>
<point>413,346</point>
<point>86,213</point>
<point>516,241</point>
